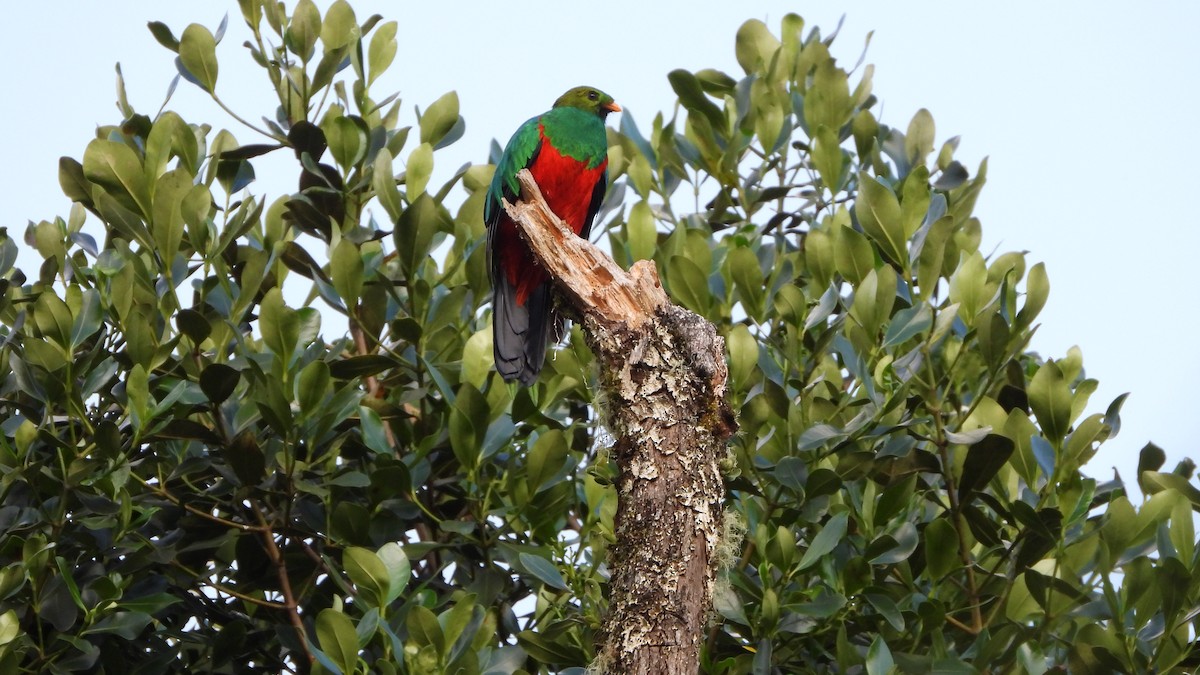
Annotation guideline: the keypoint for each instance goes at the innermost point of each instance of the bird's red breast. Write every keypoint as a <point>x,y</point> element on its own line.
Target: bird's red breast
<point>567,185</point>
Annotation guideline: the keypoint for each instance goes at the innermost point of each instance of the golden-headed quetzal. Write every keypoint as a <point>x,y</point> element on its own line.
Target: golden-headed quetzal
<point>566,150</point>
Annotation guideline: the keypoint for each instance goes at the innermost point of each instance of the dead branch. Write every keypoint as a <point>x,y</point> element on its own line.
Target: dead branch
<point>663,374</point>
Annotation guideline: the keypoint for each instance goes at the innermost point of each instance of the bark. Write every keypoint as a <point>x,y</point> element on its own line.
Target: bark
<point>662,374</point>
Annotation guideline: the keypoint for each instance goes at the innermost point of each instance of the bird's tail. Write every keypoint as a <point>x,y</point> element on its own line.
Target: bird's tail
<point>520,332</point>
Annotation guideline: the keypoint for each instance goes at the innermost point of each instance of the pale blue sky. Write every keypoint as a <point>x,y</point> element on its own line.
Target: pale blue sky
<point>1086,110</point>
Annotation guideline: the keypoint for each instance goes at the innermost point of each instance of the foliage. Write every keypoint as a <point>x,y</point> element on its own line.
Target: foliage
<point>190,470</point>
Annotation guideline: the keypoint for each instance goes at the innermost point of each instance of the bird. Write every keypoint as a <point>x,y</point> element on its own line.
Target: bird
<point>566,150</point>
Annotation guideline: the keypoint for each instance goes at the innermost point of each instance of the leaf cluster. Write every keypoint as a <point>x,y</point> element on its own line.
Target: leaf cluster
<point>194,477</point>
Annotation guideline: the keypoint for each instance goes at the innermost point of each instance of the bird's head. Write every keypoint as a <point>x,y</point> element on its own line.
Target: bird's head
<point>590,99</point>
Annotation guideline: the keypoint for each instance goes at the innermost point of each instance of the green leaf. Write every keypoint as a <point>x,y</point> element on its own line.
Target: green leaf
<point>382,50</point>
<point>873,299</point>
<point>984,460</point>
<point>87,320</point>
<point>641,175</point>
<point>477,359</point>
<point>308,320</point>
<point>384,184</point>
<point>853,254</point>
<point>303,30</point>
<point>821,311</point>
<point>246,458</point>
<point>994,336</point>
<point>68,578</point>
<point>414,231</point>
<point>347,138</point>
<point>312,387</point>
<point>469,417</point>
<point>1119,526</point>
<point>335,634</point>
<point>198,54</point>
<point>279,324</point>
<point>424,629</point>
<point>932,255</point>
<point>195,209</point>
<point>1037,289</point>
<point>439,118</point>
<point>398,569</point>
<point>755,46</point>
<point>115,167</point>
<point>743,355</point>
<point>878,212</point>
<point>969,287</point>
<point>218,382</point>
<point>360,366</point>
<point>72,181</point>
<point>369,573</point>
<point>879,657</point>
<point>418,170</point>
<point>907,324</point>
<point>887,607</point>
<point>827,156</point>
<point>826,540</point>
<point>169,194</point>
<point>1154,482</point>
<point>692,96</point>
<point>1050,399</point>
<point>150,604</point>
<point>941,548</point>
<point>749,280</point>
<point>827,102</point>
<point>688,284</point>
<point>551,650</point>
<point>374,433</point>
<point>455,620</point>
<point>918,141</point>
<point>163,35</point>
<point>544,570</point>
<point>791,472</point>
<point>546,459</point>
<point>771,123</point>
<point>340,28</point>
<point>865,129</point>
<point>1150,458</point>
<point>346,269</point>
<point>137,389</point>
<point>915,200</point>
<point>641,232</point>
<point>126,625</point>
<point>169,136</point>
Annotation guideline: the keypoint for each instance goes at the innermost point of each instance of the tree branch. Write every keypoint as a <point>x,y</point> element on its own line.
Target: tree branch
<point>285,585</point>
<point>663,374</point>
<point>591,280</point>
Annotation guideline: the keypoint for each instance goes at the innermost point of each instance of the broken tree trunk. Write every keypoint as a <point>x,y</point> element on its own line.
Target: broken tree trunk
<point>662,375</point>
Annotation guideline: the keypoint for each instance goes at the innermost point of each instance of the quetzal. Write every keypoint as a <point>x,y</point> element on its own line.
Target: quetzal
<point>566,150</point>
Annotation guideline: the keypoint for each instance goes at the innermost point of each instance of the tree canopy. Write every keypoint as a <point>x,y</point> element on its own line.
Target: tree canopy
<point>195,477</point>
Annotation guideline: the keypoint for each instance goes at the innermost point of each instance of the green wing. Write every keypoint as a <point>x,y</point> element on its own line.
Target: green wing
<point>520,152</point>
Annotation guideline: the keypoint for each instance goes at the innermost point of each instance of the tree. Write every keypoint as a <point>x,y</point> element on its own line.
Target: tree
<point>193,476</point>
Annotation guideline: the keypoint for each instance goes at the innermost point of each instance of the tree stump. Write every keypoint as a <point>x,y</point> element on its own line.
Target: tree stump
<point>663,376</point>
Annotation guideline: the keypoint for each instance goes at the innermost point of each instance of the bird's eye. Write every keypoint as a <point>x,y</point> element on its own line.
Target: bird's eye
<point>592,96</point>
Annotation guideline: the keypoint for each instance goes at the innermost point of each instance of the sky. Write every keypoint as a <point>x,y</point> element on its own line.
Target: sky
<point>1085,111</point>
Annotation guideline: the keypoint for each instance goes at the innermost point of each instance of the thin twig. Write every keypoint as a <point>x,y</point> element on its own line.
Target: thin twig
<point>964,551</point>
<point>227,590</point>
<point>285,584</point>
<point>163,492</point>
<point>237,117</point>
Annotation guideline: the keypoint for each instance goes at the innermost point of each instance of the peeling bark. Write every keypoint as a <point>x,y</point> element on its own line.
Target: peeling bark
<point>663,374</point>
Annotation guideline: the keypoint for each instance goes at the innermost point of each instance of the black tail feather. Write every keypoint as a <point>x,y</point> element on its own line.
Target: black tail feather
<point>520,333</point>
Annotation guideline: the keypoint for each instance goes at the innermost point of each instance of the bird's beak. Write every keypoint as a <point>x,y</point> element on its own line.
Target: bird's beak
<point>611,107</point>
